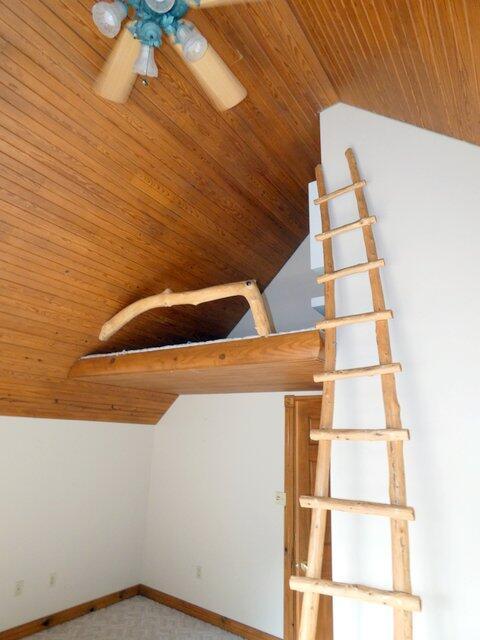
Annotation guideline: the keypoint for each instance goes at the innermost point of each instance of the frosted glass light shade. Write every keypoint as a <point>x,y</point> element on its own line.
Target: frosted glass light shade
<point>184,31</point>
<point>145,63</point>
<point>194,45</point>
<point>108,17</point>
<point>160,6</point>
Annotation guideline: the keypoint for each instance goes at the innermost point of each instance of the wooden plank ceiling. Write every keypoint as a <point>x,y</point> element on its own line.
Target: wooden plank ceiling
<point>103,204</point>
<point>413,60</point>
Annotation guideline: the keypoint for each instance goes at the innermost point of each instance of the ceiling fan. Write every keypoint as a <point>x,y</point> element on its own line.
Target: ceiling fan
<point>133,53</point>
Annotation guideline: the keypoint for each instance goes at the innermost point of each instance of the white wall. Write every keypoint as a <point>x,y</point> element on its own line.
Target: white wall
<point>72,501</point>
<point>425,190</point>
<point>217,462</point>
<point>288,296</point>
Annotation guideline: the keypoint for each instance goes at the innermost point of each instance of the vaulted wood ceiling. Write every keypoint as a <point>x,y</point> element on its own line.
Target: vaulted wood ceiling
<point>103,204</point>
<point>413,60</point>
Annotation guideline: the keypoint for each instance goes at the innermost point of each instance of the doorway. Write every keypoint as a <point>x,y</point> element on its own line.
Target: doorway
<point>302,413</point>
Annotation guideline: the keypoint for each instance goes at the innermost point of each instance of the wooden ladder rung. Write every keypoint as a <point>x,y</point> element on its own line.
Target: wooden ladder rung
<point>370,435</point>
<point>395,599</point>
<point>376,370</point>
<point>350,271</point>
<point>358,224</point>
<point>372,316</point>
<point>392,511</point>
<point>340,192</point>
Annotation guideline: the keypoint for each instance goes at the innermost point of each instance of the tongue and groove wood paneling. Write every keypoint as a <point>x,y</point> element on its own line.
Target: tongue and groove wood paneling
<point>413,60</point>
<point>103,204</point>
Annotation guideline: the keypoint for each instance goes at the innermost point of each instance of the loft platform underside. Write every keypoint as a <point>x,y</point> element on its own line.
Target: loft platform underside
<point>278,362</point>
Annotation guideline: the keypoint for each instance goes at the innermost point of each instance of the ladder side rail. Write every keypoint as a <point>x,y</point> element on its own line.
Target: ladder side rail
<point>310,601</point>
<point>397,488</point>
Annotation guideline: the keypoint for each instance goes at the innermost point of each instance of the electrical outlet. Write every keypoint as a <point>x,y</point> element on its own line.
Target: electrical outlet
<point>19,587</point>
<point>280,498</point>
<point>52,580</point>
<point>199,572</point>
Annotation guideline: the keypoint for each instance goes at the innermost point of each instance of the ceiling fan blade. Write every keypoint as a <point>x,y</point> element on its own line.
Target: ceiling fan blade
<point>117,77</point>
<point>219,83</point>
<point>205,4</point>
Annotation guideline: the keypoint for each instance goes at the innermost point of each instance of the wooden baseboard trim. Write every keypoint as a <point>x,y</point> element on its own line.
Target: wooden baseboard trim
<point>232,626</point>
<point>29,628</point>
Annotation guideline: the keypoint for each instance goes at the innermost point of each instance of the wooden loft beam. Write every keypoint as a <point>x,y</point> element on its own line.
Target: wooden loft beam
<point>278,362</point>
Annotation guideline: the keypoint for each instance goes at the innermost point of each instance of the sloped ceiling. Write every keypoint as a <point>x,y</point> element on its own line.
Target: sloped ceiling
<point>413,60</point>
<point>103,204</point>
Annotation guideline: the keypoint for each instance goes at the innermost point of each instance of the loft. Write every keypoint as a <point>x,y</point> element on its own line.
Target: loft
<point>277,362</point>
<point>266,362</point>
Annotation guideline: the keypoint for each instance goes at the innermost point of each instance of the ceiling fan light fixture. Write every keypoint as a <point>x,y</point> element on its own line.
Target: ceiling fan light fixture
<point>108,17</point>
<point>160,6</point>
<point>195,48</point>
<point>145,63</point>
<point>194,44</point>
<point>134,53</point>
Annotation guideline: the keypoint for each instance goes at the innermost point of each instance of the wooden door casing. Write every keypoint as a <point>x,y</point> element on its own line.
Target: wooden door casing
<point>302,413</point>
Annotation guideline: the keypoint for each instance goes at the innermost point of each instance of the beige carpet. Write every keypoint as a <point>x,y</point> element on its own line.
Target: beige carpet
<point>135,619</point>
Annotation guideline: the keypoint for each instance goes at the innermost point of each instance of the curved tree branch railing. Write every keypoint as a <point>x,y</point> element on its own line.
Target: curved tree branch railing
<point>247,289</point>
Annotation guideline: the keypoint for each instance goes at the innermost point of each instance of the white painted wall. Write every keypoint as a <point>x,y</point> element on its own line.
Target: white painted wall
<point>217,462</point>
<point>72,501</point>
<point>425,190</point>
<point>288,296</point>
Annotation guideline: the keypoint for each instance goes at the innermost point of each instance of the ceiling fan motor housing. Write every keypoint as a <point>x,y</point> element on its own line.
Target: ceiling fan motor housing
<point>152,17</point>
<point>133,54</point>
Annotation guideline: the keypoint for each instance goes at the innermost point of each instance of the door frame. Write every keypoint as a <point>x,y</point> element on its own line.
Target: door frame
<point>289,513</point>
<point>289,519</point>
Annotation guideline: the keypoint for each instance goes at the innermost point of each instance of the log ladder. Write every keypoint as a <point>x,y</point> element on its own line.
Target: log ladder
<point>400,598</point>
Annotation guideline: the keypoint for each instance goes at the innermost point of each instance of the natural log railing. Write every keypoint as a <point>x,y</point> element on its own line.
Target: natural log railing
<point>247,289</point>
